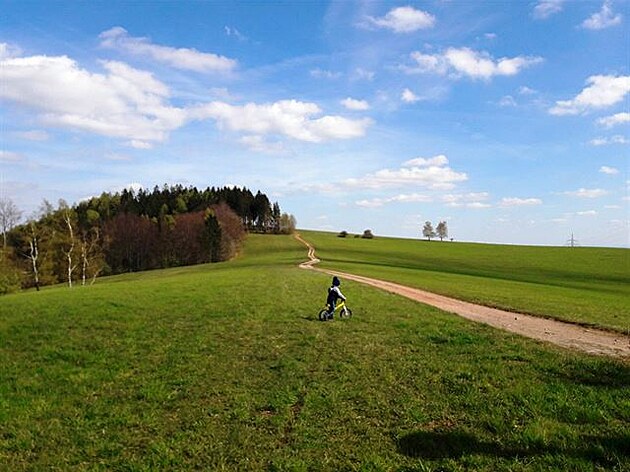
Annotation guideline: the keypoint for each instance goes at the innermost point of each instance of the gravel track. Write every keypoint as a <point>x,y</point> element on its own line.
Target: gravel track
<point>567,335</point>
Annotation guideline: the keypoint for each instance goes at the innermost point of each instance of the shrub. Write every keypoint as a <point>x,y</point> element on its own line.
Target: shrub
<point>367,234</point>
<point>343,234</point>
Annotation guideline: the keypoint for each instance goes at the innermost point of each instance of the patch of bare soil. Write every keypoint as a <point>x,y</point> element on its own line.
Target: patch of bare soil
<point>568,335</point>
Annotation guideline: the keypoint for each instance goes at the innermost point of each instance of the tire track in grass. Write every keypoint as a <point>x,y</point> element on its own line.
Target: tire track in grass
<point>567,335</point>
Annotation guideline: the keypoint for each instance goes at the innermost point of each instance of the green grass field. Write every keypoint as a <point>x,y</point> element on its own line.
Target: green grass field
<point>224,367</point>
<point>581,285</point>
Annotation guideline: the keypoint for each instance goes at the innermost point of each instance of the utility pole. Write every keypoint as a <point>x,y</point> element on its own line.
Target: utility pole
<point>572,242</point>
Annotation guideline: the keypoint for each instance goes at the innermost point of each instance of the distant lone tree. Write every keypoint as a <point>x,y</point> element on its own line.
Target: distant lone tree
<point>427,231</point>
<point>441,230</point>
<point>343,234</point>
<point>367,234</point>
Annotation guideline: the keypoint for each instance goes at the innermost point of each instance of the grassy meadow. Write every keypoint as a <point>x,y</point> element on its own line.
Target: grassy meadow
<point>225,367</point>
<point>583,285</point>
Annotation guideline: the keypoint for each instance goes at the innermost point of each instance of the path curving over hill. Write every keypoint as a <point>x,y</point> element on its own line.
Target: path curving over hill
<point>567,335</point>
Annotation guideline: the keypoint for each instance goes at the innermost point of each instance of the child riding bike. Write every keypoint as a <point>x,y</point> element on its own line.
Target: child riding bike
<point>334,294</point>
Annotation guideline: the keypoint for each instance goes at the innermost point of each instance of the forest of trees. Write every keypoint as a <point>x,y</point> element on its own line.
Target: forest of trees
<point>131,231</point>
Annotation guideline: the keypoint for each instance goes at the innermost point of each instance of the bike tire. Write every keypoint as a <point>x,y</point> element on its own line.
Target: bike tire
<point>346,312</point>
<point>323,315</point>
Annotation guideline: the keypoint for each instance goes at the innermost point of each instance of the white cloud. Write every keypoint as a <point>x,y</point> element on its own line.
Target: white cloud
<point>180,58</point>
<point>131,104</point>
<point>353,104</point>
<point>458,62</point>
<point>475,200</point>
<point>286,117</point>
<point>138,144</point>
<point>507,101</point>
<point>478,205</point>
<point>433,173</point>
<point>259,144</point>
<point>587,193</point>
<point>409,97</point>
<point>9,156</point>
<point>605,18</point>
<point>546,8</point>
<point>363,74</point>
<point>325,74</point>
<point>515,201</point>
<point>608,170</point>
<point>32,135</point>
<point>8,51</point>
<point>402,198</point>
<point>123,102</point>
<point>613,120</point>
<point>439,160</point>
<point>605,141</point>
<point>586,213</point>
<point>233,32</point>
<point>602,91</point>
<point>402,20</point>
<point>524,90</point>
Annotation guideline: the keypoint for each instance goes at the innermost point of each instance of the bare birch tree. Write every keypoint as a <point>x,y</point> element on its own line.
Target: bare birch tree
<point>9,216</point>
<point>33,254</point>
<point>91,256</point>
<point>69,250</point>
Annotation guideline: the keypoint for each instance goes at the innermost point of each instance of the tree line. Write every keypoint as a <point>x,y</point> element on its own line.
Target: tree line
<point>130,231</point>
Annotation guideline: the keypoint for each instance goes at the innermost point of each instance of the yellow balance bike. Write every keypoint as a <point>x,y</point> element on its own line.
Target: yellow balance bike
<point>344,312</point>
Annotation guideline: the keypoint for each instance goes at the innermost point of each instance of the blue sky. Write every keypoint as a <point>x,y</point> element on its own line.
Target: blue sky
<point>510,120</point>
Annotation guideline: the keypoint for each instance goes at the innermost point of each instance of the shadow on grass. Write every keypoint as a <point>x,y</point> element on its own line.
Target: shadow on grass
<point>435,445</point>
<point>603,373</point>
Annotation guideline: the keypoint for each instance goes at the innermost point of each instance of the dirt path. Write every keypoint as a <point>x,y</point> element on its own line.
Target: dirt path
<point>567,335</point>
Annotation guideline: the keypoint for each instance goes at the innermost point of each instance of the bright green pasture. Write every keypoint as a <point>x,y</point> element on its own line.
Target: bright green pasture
<point>225,367</point>
<point>583,285</point>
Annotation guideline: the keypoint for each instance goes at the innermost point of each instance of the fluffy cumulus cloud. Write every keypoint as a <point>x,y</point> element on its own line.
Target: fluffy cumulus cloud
<point>290,118</point>
<point>608,140</point>
<point>605,18</point>
<point>466,62</point>
<point>408,96</point>
<point>602,91</point>
<point>180,58</point>
<point>121,102</point>
<point>515,201</point>
<point>614,120</point>
<point>357,105</point>
<point>587,193</point>
<point>130,104</point>
<point>402,20</point>
<point>401,198</point>
<point>546,8</point>
<point>433,173</point>
<point>474,200</point>
<point>608,170</point>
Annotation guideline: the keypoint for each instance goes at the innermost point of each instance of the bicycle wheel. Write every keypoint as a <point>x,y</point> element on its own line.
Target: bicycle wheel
<point>345,312</point>
<point>323,315</point>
